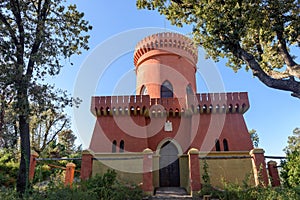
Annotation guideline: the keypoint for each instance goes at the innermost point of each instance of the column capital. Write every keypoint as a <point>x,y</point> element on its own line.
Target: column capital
<point>71,165</point>
<point>147,151</point>
<point>256,151</point>
<point>193,151</point>
<point>272,162</point>
<point>34,153</point>
<point>87,151</point>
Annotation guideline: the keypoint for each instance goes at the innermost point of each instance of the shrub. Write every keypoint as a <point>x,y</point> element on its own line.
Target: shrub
<point>8,168</point>
<point>105,187</point>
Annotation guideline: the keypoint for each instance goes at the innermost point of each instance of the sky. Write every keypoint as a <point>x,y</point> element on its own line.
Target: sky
<point>107,69</point>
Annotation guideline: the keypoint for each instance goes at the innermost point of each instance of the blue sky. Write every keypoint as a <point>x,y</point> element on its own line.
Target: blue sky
<point>273,113</point>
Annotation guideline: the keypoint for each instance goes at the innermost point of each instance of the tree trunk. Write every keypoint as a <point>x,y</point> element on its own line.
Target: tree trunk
<point>23,176</point>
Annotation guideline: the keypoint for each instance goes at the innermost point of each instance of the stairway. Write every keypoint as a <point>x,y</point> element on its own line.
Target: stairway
<point>168,193</point>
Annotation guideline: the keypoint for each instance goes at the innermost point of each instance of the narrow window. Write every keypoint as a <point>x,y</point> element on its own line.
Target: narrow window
<point>218,145</point>
<point>114,145</point>
<point>144,90</point>
<point>225,144</point>
<point>122,146</point>
<point>189,90</point>
<point>166,89</point>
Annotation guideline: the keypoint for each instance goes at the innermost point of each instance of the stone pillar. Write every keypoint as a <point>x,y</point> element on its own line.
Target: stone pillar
<point>33,156</point>
<point>194,169</point>
<point>273,173</point>
<point>259,167</point>
<point>86,165</point>
<point>147,171</point>
<point>70,169</point>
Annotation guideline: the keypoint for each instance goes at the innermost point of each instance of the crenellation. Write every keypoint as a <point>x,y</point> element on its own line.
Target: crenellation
<point>223,97</point>
<point>244,96</point>
<point>203,103</point>
<point>184,46</point>
<point>114,100</point>
<point>235,96</point>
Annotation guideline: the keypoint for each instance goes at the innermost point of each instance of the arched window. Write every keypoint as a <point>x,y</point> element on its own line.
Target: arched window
<point>189,90</point>
<point>166,89</point>
<point>144,90</point>
<point>225,144</point>
<point>122,146</point>
<point>218,148</point>
<point>114,145</point>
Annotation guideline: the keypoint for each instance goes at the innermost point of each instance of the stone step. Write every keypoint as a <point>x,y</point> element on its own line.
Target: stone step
<point>170,198</point>
<point>167,193</point>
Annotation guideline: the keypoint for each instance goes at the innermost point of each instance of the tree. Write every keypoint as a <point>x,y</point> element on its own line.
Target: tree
<point>8,125</point>
<point>254,137</point>
<point>67,139</point>
<point>252,34</point>
<point>293,141</point>
<point>34,37</point>
<point>291,166</point>
<point>45,127</point>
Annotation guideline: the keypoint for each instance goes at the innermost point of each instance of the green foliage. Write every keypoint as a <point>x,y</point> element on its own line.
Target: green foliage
<point>251,34</point>
<point>8,123</point>
<point>46,124</point>
<point>8,168</point>
<point>293,141</point>
<point>290,172</point>
<point>98,187</point>
<point>254,137</point>
<point>107,187</point>
<point>205,176</point>
<point>232,191</point>
<point>49,169</point>
<point>246,191</point>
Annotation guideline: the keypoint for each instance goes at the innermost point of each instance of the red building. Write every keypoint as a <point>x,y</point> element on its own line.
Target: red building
<point>160,136</point>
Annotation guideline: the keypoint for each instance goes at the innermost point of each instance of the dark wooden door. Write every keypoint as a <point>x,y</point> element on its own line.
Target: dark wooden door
<point>169,166</point>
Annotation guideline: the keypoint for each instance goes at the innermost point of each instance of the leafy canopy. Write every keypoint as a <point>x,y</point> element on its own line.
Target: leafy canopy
<point>251,34</point>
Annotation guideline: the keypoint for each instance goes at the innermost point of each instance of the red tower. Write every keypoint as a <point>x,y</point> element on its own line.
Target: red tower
<point>166,59</point>
<point>167,117</point>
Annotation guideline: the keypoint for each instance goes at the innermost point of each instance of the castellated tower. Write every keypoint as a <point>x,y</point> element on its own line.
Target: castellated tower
<point>160,136</point>
<point>165,65</point>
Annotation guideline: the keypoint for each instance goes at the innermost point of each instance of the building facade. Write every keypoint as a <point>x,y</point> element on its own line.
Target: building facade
<point>163,135</point>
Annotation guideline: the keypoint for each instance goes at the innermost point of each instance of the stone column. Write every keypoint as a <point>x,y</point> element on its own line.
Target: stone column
<point>33,156</point>
<point>273,173</point>
<point>147,171</point>
<point>70,169</point>
<point>86,165</point>
<point>259,167</point>
<point>194,169</point>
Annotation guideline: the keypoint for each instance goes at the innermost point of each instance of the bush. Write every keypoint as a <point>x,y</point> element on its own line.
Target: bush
<point>236,192</point>
<point>105,187</point>
<point>8,168</point>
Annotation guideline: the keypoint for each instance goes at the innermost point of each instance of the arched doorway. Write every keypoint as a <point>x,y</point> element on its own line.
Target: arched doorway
<point>169,175</point>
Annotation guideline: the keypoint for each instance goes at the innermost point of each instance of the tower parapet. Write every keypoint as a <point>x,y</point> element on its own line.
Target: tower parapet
<point>232,102</point>
<point>236,102</point>
<point>169,42</point>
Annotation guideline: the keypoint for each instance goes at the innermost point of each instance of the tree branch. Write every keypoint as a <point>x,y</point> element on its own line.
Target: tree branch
<point>42,15</point>
<point>278,75</point>
<point>292,67</point>
<point>58,131</point>
<point>9,28</point>
<point>289,84</point>
<point>17,13</point>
